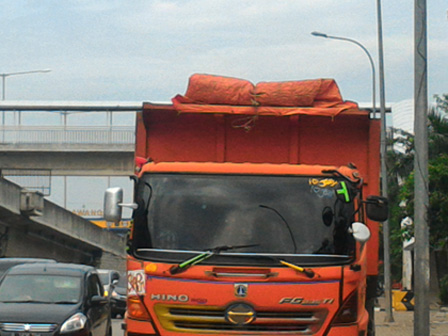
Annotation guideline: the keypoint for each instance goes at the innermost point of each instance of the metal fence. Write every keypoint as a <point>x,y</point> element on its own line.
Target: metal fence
<point>67,135</point>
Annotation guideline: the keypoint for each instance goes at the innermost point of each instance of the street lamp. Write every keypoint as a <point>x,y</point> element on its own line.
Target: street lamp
<point>386,241</point>
<point>4,75</point>
<point>368,55</point>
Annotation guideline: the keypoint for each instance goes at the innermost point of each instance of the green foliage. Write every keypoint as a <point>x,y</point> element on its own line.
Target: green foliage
<point>401,184</point>
<point>438,183</point>
<point>441,102</point>
<point>443,295</point>
<point>399,167</point>
<point>438,211</point>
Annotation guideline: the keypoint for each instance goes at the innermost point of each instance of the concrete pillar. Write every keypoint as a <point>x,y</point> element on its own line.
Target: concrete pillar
<point>407,256</point>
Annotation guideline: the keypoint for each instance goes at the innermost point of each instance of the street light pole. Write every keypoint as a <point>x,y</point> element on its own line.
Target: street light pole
<point>3,85</point>
<point>386,229</point>
<point>372,64</point>
<point>383,149</point>
<point>4,75</point>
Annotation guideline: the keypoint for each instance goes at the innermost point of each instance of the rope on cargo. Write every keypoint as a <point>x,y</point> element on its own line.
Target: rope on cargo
<point>247,123</point>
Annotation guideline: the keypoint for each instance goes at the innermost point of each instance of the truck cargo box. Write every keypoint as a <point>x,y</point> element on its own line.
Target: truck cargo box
<point>198,127</point>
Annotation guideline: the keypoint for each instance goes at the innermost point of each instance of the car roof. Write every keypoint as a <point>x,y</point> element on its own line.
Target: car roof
<point>103,271</point>
<point>52,269</point>
<point>7,259</point>
<point>6,263</point>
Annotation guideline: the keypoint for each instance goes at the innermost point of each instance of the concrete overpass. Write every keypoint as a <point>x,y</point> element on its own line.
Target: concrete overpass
<point>68,150</point>
<point>52,231</point>
<point>31,226</point>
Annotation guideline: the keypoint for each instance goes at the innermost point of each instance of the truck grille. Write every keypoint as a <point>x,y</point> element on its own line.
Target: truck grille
<point>208,319</point>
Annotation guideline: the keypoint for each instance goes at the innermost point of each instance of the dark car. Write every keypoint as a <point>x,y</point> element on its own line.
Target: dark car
<point>53,299</point>
<point>7,263</point>
<point>118,297</point>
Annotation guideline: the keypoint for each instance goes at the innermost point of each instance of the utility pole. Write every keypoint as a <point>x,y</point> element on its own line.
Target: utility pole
<point>421,191</point>
<point>386,231</point>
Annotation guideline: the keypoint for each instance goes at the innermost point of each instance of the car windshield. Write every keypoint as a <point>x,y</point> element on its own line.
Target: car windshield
<point>40,288</point>
<point>277,214</point>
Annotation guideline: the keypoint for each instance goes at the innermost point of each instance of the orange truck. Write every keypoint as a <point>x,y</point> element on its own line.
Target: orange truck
<point>253,212</point>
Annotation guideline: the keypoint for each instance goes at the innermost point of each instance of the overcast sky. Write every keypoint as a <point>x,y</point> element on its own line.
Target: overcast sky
<point>146,50</point>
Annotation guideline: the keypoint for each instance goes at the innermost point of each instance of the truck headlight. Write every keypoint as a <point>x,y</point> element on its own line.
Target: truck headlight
<point>74,323</point>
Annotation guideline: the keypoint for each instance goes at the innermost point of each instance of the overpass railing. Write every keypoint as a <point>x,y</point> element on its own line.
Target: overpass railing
<point>66,135</point>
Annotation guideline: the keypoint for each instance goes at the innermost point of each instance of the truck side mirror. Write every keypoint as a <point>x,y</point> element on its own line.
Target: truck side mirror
<point>112,210</point>
<point>377,208</point>
<point>360,232</point>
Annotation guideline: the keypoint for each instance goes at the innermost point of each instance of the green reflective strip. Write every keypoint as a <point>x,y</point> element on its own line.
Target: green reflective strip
<point>344,191</point>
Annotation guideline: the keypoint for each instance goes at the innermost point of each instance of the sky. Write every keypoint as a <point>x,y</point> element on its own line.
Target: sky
<point>118,50</point>
<point>146,50</point>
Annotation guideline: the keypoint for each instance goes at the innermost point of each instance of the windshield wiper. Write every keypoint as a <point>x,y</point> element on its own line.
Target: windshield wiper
<point>183,266</point>
<point>308,272</point>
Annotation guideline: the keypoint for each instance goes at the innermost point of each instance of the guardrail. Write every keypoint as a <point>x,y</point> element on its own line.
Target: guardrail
<point>66,135</point>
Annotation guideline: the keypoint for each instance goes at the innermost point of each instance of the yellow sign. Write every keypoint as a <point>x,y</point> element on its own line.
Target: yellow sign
<point>403,299</point>
<point>126,224</point>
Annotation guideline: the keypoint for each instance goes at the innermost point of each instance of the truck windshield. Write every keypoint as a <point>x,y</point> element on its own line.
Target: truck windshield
<point>279,215</point>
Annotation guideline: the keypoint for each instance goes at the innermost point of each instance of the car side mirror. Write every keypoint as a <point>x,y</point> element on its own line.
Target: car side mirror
<point>377,208</point>
<point>98,300</point>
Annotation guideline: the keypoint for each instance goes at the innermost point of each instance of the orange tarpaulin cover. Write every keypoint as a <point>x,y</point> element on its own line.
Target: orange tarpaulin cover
<point>217,94</point>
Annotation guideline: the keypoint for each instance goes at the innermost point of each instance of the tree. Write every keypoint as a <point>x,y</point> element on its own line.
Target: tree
<point>400,164</point>
<point>401,182</point>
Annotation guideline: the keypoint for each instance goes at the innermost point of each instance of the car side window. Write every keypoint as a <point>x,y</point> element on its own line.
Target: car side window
<point>94,286</point>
